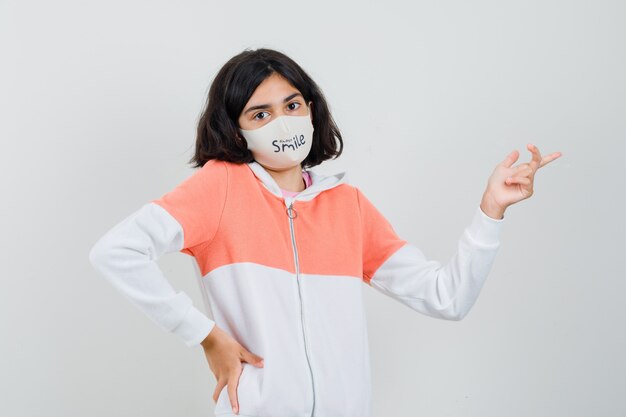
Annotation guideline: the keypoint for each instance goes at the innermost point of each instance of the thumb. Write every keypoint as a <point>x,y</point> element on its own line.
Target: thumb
<point>255,360</point>
<point>510,159</point>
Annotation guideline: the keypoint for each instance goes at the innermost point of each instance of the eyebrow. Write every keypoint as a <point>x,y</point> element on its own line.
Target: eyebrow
<point>265,106</point>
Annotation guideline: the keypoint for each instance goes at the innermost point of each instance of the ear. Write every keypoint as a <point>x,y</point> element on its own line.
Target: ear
<point>310,109</point>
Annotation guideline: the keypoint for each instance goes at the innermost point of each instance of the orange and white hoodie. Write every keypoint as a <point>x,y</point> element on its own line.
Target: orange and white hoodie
<point>284,276</point>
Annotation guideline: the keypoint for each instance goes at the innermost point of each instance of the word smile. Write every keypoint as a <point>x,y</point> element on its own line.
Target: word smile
<point>292,143</point>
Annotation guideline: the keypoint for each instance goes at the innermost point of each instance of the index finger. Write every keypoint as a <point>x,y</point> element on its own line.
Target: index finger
<point>550,158</point>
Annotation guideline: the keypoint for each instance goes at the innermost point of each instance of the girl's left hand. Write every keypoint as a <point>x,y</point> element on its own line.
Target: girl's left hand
<point>508,185</point>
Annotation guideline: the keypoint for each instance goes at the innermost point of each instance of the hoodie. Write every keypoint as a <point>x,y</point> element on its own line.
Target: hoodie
<point>284,276</point>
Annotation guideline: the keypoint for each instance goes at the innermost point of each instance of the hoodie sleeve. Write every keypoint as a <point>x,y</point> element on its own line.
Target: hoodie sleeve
<point>400,270</point>
<point>182,219</point>
<point>197,204</point>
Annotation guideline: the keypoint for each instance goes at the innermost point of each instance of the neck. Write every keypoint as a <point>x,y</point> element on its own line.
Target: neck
<point>289,179</point>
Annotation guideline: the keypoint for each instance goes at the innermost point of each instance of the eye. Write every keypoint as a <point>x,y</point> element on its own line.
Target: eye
<point>294,102</point>
<point>261,112</point>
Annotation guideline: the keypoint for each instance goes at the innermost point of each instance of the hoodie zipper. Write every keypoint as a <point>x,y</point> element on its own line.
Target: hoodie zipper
<point>292,214</point>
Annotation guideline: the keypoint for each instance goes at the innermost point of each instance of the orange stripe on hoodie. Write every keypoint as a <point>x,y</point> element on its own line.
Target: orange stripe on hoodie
<point>228,216</point>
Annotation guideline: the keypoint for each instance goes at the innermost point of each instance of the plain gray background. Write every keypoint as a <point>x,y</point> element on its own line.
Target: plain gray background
<point>99,103</point>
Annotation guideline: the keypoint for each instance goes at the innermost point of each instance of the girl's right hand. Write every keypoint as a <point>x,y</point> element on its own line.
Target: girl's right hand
<point>225,355</point>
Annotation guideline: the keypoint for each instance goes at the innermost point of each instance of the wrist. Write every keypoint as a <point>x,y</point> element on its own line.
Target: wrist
<point>209,339</point>
<point>491,208</point>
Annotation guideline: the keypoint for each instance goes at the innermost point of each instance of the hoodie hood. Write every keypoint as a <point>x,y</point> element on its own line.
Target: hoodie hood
<point>319,182</point>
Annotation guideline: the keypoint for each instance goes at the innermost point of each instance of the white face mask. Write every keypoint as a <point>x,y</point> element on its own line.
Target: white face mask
<point>282,143</point>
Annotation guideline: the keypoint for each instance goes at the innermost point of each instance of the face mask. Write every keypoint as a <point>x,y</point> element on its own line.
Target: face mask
<point>282,143</point>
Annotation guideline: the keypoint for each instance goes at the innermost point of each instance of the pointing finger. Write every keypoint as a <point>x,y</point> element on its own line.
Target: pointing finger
<point>550,158</point>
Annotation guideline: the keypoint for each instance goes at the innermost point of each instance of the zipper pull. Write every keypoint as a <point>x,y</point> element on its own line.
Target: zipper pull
<point>291,212</point>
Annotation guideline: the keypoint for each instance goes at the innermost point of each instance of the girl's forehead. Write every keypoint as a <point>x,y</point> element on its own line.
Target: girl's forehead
<point>272,86</point>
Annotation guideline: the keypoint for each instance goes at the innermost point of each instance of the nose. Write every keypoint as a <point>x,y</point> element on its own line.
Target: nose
<point>283,124</point>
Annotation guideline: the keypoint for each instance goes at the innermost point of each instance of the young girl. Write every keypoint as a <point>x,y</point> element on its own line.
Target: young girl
<point>283,251</point>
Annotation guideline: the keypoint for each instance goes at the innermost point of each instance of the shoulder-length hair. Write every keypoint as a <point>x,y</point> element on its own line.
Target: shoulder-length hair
<point>218,136</point>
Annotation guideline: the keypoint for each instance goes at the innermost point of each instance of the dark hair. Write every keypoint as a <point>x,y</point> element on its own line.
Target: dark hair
<point>218,136</point>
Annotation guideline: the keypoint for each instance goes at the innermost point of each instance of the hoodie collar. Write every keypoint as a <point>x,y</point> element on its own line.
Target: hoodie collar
<point>319,182</point>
